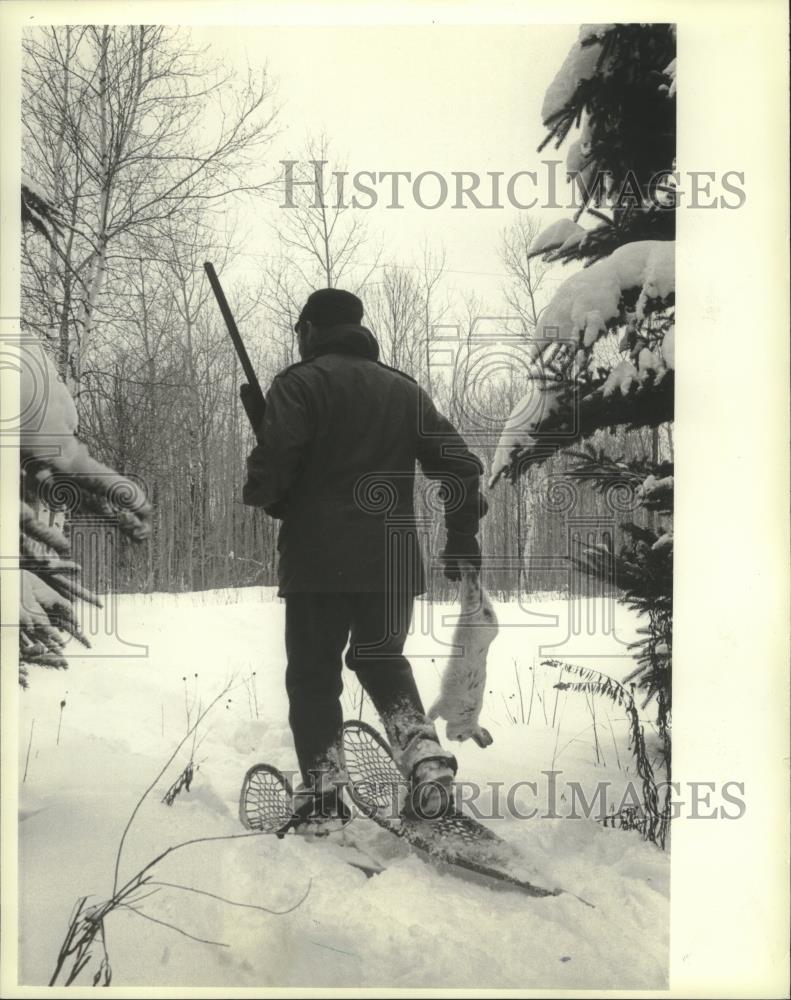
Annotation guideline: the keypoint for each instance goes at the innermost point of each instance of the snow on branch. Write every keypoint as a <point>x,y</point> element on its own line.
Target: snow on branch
<point>670,72</point>
<point>58,467</point>
<point>635,281</point>
<point>58,460</point>
<point>560,235</point>
<point>594,32</point>
<point>592,301</point>
<point>574,411</point>
<point>580,65</point>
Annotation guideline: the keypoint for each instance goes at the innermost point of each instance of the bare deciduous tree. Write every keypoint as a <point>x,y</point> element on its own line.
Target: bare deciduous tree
<point>526,276</point>
<point>127,125</point>
<point>320,234</point>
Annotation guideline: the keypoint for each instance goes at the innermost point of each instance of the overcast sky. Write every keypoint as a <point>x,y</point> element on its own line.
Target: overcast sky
<point>414,98</point>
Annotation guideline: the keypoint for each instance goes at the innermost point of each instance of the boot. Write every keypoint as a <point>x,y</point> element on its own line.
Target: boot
<point>318,804</point>
<point>318,812</point>
<point>430,792</point>
<point>430,784</point>
<point>428,769</point>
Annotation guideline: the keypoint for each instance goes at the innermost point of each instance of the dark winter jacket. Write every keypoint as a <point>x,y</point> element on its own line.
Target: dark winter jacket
<point>335,460</point>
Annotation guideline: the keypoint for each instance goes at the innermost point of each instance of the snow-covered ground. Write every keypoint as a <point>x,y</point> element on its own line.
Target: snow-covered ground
<point>412,926</point>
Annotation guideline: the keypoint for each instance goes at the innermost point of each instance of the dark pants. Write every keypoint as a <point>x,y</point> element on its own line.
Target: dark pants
<point>318,626</point>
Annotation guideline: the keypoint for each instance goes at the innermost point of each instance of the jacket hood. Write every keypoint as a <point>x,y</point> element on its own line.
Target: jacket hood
<point>347,338</point>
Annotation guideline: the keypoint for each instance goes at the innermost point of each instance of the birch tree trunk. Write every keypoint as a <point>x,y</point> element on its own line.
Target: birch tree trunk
<point>95,275</point>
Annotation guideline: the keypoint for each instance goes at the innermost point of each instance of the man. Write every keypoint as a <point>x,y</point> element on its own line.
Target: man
<point>335,461</point>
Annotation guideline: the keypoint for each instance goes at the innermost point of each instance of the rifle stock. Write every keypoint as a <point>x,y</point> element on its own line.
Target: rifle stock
<point>251,394</point>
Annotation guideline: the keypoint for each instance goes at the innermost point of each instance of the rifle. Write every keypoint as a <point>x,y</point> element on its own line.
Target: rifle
<point>251,394</point>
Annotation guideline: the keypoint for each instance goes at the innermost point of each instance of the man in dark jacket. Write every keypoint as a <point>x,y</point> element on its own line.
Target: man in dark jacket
<point>335,461</point>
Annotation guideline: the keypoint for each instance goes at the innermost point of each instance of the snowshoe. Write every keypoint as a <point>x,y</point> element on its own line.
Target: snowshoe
<point>265,800</point>
<point>452,839</point>
<point>266,806</point>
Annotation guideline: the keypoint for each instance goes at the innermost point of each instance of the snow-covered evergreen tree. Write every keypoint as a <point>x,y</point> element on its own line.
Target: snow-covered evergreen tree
<point>614,100</point>
<point>56,467</point>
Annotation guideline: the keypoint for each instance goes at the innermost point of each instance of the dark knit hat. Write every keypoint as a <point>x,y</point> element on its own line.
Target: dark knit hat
<point>331,307</point>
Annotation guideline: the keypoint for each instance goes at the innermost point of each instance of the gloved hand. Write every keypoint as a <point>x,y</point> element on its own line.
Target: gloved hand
<point>459,550</point>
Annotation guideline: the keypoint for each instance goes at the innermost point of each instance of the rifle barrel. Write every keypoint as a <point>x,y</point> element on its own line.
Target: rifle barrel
<point>233,330</point>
